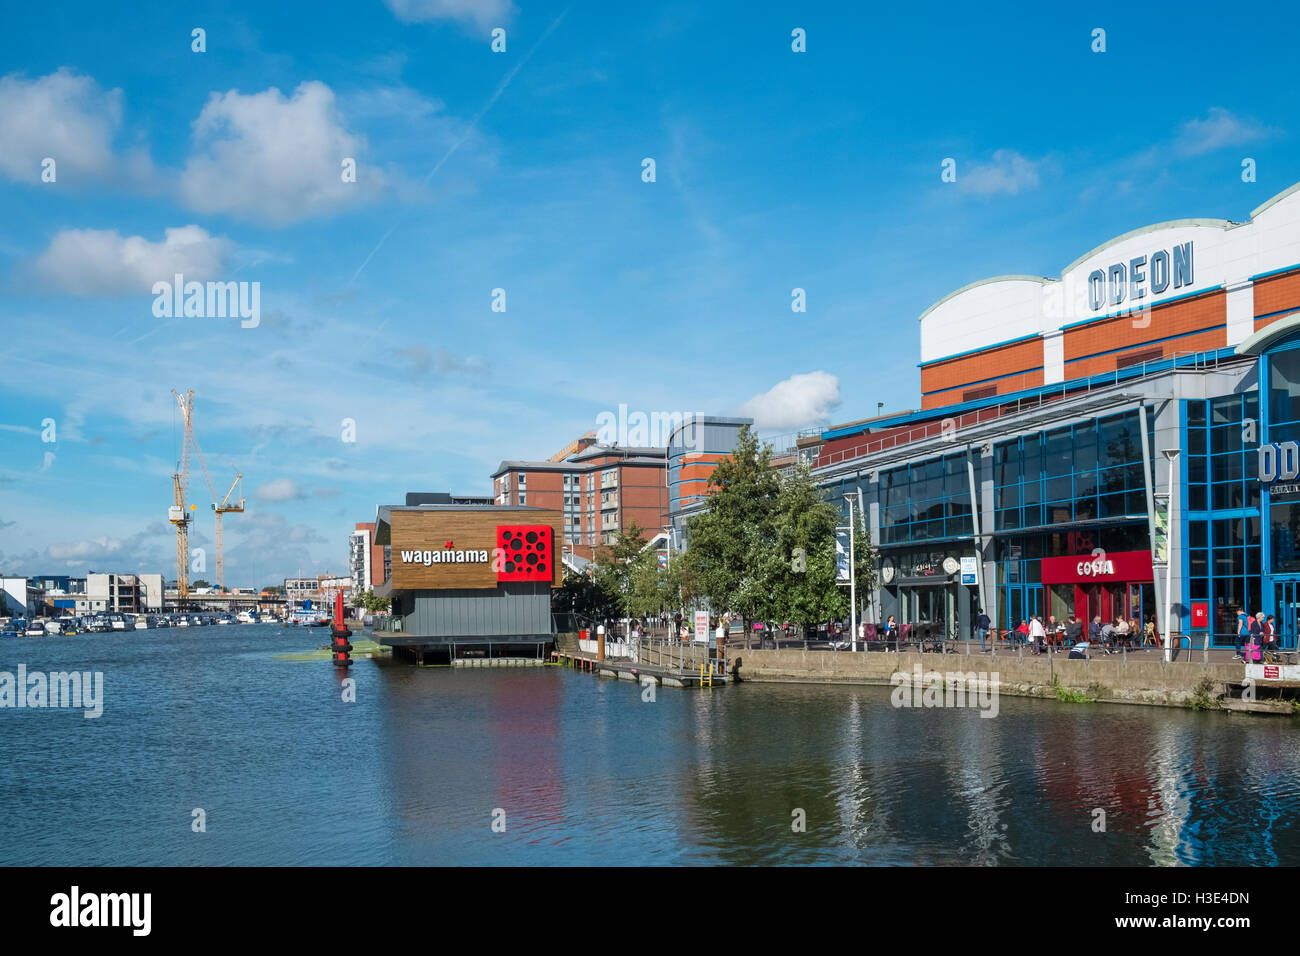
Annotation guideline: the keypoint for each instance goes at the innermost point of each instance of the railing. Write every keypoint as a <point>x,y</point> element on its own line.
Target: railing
<point>1195,361</point>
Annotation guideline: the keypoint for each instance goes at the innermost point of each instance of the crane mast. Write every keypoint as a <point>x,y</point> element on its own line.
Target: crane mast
<point>178,514</point>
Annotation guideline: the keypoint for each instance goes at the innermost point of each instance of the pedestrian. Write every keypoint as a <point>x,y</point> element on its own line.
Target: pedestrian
<point>1037,636</point>
<point>1243,632</point>
<point>1272,642</point>
<point>982,625</point>
<point>891,631</point>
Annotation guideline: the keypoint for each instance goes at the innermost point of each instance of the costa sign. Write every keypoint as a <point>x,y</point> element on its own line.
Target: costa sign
<point>1132,280</point>
<point>1095,568</point>
<point>1279,461</point>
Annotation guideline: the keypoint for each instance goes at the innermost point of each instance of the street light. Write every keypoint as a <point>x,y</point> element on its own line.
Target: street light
<point>1171,456</point>
<point>853,582</point>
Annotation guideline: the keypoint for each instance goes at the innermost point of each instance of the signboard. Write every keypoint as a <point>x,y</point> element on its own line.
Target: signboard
<point>1200,615</point>
<point>701,627</point>
<point>842,575</point>
<point>968,570</point>
<point>663,560</point>
<point>1160,551</point>
<point>475,548</point>
<point>1098,566</point>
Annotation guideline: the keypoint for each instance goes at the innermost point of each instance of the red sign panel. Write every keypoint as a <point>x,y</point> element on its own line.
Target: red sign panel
<point>1101,566</point>
<point>527,552</point>
<point>1272,672</point>
<point>1200,615</point>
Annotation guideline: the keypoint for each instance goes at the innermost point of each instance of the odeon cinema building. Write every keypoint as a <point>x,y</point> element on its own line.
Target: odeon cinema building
<point>1083,440</point>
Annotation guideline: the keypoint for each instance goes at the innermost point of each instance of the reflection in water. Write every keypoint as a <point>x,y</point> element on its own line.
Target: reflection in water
<point>589,773</point>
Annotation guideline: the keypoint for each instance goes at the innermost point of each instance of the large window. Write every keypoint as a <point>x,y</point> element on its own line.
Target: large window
<point>1079,472</point>
<point>1223,526</point>
<point>926,501</point>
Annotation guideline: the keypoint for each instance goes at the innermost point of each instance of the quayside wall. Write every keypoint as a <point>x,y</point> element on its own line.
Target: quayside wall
<point>1110,678</point>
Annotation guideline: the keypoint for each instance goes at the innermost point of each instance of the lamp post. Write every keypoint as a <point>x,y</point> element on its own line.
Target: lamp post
<point>1171,456</point>
<point>853,582</point>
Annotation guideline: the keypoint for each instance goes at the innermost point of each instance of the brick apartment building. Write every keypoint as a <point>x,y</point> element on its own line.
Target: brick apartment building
<point>598,489</point>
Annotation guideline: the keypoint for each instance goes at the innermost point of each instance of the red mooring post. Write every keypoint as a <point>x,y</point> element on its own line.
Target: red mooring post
<point>339,634</point>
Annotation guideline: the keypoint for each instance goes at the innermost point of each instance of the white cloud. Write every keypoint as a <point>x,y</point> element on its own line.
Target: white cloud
<point>282,489</point>
<point>64,116</point>
<point>1007,172</point>
<point>94,549</point>
<point>799,400</point>
<point>103,262</point>
<point>1219,128</point>
<point>481,14</point>
<point>274,160</point>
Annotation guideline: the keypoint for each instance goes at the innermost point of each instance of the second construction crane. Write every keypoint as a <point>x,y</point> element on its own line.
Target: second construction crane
<point>178,513</point>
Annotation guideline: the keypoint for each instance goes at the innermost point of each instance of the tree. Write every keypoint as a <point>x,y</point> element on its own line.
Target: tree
<point>618,564</point>
<point>732,550</point>
<point>581,596</point>
<point>765,548</point>
<point>200,583</point>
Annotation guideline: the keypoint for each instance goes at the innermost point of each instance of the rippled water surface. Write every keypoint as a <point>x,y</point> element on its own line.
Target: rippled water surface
<point>588,773</point>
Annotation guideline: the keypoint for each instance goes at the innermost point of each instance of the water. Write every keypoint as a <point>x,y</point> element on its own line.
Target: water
<point>588,773</point>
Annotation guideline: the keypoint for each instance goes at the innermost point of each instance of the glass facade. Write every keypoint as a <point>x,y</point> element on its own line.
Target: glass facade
<point>1224,561</point>
<point>1083,472</point>
<point>926,501</point>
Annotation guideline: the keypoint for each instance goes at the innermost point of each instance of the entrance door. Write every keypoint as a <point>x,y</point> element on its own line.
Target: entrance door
<point>1102,602</point>
<point>1286,600</point>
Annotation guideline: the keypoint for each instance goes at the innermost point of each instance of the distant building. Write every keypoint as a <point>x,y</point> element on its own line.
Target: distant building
<point>365,559</point>
<point>14,600</point>
<point>694,450</point>
<point>121,593</point>
<point>599,490</point>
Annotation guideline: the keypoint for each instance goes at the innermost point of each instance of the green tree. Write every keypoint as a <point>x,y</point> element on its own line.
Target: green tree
<point>581,596</point>
<point>732,552</point>
<point>617,565</point>
<point>200,583</point>
<point>765,548</point>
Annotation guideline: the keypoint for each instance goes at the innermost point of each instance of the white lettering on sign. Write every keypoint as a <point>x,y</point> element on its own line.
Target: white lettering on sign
<point>1279,461</point>
<point>1089,569</point>
<point>444,557</point>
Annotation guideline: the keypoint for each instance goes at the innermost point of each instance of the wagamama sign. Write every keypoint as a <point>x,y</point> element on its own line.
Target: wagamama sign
<point>428,558</point>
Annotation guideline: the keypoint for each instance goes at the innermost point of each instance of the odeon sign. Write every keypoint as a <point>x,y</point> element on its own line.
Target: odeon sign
<point>1133,279</point>
<point>1279,461</point>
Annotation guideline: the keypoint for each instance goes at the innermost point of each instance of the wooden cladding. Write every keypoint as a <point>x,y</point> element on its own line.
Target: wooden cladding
<point>472,532</point>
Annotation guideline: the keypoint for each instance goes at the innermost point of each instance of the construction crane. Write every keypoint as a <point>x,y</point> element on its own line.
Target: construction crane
<point>178,514</point>
<point>219,507</point>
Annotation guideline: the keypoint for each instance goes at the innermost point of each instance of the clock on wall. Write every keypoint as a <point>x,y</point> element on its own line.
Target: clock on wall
<point>951,565</point>
<point>887,570</point>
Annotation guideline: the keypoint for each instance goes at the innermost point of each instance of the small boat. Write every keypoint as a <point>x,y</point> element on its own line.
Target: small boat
<point>34,629</point>
<point>12,628</point>
<point>182,621</point>
<point>161,621</point>
<point>142,622</point>
<point>118,622</point>
<point>53,627</point>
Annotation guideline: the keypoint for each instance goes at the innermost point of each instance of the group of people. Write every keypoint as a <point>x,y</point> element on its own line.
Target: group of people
<point>1037,633</point>
<point>1256,634</point>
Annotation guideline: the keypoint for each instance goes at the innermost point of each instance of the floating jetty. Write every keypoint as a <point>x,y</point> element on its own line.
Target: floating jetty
<point>670,665</point>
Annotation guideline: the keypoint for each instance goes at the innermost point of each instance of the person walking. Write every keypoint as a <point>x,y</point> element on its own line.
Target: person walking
<point>1243,632</point>
<point>891,632</point>
<point>1037,635</point>
<point>982,625</point>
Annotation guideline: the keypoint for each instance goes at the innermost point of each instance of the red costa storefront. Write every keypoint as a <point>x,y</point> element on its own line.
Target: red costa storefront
<point>1105,585</point>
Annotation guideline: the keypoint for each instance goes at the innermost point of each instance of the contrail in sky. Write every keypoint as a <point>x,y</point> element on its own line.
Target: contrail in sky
<point>501,88</point>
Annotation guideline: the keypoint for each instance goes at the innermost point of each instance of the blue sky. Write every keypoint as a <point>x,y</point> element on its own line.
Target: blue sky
<point>522,171</point>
